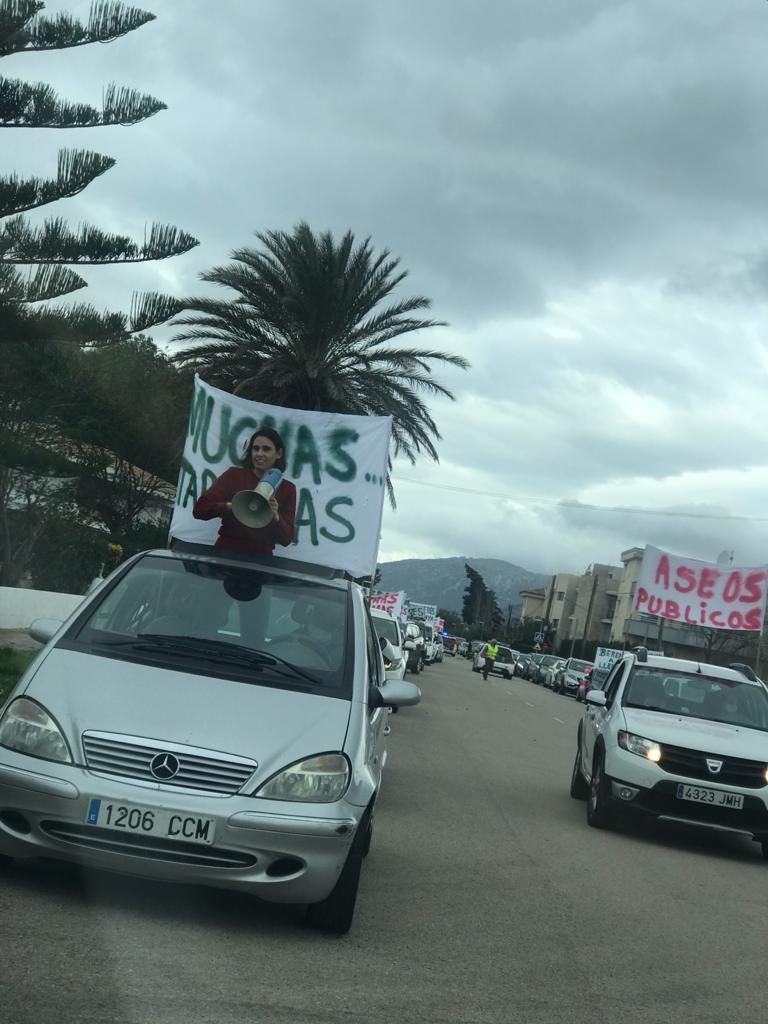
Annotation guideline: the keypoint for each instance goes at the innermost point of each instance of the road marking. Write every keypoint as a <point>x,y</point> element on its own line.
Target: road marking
<point>560,721</point>
<point>530,705</point>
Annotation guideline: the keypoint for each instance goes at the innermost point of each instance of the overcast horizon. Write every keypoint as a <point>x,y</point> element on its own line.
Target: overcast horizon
<point>578,189</point>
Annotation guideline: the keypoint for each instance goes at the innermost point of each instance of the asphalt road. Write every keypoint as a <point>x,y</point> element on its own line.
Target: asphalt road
<point>485,898</point>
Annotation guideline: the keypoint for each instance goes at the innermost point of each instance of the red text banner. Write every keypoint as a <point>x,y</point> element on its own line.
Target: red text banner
<point>701,593</point>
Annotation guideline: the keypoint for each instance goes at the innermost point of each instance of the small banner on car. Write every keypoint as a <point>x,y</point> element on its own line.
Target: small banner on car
<point>421,612</point>
<point>391,603</point>
<point>701,593</point>
<point>337,462</point>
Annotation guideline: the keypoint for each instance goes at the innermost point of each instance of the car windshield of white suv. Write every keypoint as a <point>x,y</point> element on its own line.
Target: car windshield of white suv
<point>580,666</point>
<point>224,620</point>
<point>386,629</point>
<point>698,696</point>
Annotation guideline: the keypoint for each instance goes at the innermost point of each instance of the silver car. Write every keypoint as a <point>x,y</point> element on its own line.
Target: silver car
<point>205,718</point>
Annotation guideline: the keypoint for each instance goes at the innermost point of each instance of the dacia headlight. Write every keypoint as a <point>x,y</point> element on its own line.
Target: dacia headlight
<point>322,779</point>
<point>640,746</point>
<point>27,728</point>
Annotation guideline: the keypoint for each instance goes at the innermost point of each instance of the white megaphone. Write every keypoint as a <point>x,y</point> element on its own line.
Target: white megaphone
<point>252,508</point>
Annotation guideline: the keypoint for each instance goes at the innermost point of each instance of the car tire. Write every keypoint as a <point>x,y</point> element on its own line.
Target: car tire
<point>335,913</point>
<point>368,837</point>
<point>601,809</point>
<point>579,785</point>
<point>764,848</point>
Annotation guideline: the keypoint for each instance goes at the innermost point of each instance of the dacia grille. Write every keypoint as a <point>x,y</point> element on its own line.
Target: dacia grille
<point>733,771</point>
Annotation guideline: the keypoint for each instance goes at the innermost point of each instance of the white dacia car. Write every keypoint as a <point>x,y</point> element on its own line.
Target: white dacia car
<point>679,740</point>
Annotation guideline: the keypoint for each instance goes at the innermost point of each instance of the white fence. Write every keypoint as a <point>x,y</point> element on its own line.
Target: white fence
<point>19,608</point>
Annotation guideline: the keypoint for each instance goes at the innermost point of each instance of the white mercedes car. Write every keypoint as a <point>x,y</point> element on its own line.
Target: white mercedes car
<point>677,740</point>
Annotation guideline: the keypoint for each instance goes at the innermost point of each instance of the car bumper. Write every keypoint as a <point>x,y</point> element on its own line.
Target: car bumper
<point>278,851</point>
<point>654,793</point>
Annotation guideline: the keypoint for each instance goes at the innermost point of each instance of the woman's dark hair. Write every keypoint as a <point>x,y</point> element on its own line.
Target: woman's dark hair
<point>271,435</point>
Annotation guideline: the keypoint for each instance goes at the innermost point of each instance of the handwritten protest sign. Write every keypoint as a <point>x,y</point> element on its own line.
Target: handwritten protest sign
<point>701,593</point>
<point>338,463</point>
<point>391,603</point>
<point>421,612</point>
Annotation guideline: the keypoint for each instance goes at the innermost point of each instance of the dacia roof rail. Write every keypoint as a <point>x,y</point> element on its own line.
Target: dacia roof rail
<point>745,670</point>
<point>186,547</point>
<point>641,653</point>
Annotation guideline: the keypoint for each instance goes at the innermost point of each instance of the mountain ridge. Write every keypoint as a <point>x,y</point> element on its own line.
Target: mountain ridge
<point>442,581</point>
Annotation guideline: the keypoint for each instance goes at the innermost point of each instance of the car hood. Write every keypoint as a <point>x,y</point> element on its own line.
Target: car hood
<point>697,734</point>
<point>275,727</point>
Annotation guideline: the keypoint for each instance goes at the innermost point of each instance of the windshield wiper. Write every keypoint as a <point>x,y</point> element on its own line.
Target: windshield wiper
<point>652,707</point>
<point>220,650</point>
<point>267,658</point>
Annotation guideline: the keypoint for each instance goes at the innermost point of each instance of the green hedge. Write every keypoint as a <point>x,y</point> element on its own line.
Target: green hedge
<point>12,664</point>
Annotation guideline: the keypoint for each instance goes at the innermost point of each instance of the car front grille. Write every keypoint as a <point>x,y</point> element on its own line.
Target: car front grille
<point>118,755</point>
<point>736,771</point>
<point>167,850</point>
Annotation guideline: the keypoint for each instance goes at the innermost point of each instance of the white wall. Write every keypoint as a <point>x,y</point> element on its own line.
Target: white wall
<point>19,608</point>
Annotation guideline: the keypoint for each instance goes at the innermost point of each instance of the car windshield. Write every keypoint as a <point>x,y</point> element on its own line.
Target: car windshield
<point>741,703</point>
<point>548,660</point>
<point>581,666</point>
<point>386,629</point>
<point>214,619</point>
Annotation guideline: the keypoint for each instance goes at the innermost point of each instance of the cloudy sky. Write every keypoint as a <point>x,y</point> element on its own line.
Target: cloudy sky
<point>579,186</point>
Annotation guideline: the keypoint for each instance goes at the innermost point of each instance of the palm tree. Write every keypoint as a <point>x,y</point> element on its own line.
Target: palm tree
<point>307,331</point>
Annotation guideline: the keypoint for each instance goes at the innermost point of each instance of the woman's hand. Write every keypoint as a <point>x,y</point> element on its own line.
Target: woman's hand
<point>275,509</point>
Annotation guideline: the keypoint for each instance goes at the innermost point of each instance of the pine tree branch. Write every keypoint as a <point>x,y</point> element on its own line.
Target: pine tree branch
<point>148,309</point>
<point>81,324</point>
<point>25,105</point>
<point>23,29</point>
<point>54,242</point>
<point>77,168</point>
<point>44,282</point>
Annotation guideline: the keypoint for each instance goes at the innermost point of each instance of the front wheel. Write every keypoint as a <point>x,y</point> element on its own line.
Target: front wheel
<point>335,913</point>
<point>601,809</point>
<point>764,848</point>
<point>579,785</point>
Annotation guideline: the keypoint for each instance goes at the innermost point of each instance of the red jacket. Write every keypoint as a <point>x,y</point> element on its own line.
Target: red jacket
<point>234,534</point>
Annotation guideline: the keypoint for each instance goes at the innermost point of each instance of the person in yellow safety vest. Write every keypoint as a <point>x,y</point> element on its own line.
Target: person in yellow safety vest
<point>490,653</point>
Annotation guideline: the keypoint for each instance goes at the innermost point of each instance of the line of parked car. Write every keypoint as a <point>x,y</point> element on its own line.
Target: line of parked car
<point>568,676</point>
<point>416,644</point>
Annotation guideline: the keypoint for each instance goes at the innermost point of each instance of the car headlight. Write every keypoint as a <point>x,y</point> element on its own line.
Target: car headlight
<point>640,746</point>
<point>322,779</point>
<point>28,728</point>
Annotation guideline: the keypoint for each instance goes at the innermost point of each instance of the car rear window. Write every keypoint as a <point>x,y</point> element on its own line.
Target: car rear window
<point>162,609</point>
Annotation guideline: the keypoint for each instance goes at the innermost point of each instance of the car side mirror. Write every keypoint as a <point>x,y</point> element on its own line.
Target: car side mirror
<point>596,698</point>
<point>44,630</point>
<point>397,693</point>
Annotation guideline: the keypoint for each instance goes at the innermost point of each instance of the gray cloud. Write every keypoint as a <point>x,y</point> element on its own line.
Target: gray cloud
<point>578,186</point>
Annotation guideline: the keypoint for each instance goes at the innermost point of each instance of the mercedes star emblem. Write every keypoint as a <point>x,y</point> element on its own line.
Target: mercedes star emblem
<point>164,766</point>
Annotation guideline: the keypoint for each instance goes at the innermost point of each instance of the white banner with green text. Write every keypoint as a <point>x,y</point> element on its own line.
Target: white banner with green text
<point>338,463</point>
